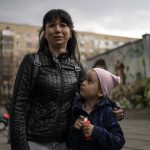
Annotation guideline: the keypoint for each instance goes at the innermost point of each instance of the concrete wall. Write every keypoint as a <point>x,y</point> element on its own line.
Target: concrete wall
<point>135,56</point>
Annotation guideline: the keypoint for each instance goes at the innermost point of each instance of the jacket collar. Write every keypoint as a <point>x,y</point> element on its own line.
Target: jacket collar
<point>103,102</point>
<point>48,53</point>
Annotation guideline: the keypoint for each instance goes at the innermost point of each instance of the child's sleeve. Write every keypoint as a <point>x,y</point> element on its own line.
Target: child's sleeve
<point>111,135</point>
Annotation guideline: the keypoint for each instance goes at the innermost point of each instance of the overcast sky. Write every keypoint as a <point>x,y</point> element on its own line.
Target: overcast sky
<point>129,18</point>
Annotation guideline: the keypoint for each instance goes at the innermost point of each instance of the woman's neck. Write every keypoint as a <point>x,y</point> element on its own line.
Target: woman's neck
<point>56,51</point>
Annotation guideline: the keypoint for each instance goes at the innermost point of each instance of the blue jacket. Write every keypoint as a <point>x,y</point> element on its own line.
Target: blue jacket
<point>107,133</point>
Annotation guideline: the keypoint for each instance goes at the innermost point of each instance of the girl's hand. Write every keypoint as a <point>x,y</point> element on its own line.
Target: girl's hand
<point>79,122</point>
<point>87,130</point>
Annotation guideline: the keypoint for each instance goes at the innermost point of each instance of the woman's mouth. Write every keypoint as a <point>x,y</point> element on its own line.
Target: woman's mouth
<point>57,37</point>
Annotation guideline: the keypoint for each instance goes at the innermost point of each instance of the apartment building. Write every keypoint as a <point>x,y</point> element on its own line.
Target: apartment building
<point>92,44</point>
<point>15,41</point>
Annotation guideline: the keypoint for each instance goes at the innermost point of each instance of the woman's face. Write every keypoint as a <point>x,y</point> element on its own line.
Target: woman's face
<point>57,34</point>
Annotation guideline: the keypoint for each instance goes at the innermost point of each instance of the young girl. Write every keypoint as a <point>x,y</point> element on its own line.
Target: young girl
<point>102,131</point>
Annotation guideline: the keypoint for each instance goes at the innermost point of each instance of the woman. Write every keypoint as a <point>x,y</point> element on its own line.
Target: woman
<point>40,117</point>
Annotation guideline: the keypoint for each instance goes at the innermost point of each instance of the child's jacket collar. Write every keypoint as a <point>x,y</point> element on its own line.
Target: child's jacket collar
<point>103,102</point>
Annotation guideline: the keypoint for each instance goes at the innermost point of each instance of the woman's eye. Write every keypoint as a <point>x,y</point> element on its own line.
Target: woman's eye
<point>63,25</point>
<point>51,25</point>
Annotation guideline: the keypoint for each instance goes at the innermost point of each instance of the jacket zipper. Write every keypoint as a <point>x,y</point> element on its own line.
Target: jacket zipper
<point>62,93</point>
<point>62,81</point>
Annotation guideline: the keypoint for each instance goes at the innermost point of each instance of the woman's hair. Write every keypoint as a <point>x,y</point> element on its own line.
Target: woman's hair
<point>51,15</point>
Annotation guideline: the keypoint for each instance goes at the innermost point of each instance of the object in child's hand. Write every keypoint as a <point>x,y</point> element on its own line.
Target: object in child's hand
<point>87,122</point>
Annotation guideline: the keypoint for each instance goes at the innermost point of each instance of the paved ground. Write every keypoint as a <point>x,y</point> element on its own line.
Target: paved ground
<point>3,141</point>
<point>137,134</point>
<point>136,127</point>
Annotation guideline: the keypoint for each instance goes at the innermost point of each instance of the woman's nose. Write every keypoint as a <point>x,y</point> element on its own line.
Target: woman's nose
<point>57,27</point>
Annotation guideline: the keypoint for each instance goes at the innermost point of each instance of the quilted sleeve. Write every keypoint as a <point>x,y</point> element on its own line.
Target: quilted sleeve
<point>22,87</point>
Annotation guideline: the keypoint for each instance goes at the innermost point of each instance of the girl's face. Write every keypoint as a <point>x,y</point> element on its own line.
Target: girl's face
<point>90,87</point>
<point>57,34</point>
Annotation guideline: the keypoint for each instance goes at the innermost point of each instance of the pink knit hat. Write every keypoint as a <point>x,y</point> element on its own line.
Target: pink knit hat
<point>107,80</point>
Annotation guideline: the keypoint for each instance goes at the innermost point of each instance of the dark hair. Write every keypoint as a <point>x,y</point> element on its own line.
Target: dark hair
<point>100,63</point>
<point>51,15</point>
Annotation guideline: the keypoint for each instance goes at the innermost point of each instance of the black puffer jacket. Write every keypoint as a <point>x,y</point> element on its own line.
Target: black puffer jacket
<point>42,115</point>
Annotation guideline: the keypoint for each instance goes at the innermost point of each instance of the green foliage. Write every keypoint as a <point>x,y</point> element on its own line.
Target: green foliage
<point>125,103</point>
<point>147,92</point>
<point>138,76</point>
<point>133,95</point>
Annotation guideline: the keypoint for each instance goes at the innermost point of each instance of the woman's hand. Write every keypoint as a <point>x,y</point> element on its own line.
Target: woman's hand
<point>79,122</point>
<point>119,113</point>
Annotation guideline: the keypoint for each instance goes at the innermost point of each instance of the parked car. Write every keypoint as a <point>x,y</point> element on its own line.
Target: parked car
<point>4,118</point>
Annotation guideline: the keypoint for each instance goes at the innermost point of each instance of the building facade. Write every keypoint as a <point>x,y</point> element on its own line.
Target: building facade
<point>92,44</point>
<point>6,62</point>
<point>134,57</point>
<point>15,41</point>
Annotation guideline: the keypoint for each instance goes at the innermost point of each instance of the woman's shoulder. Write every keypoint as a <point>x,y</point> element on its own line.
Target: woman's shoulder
<point>79,67</point>
<point>78,62</point>
<point>42,58</point>
<point>28,58</point>
<point>30,55</point>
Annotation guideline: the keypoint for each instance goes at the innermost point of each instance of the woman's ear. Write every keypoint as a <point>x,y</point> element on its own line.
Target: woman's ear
<point>70,35</point>
<point>44,34</point>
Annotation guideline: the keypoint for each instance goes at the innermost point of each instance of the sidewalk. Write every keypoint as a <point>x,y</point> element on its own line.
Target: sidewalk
<point>137,134</point>
<point>142,114</point>
<point>136,127</point>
